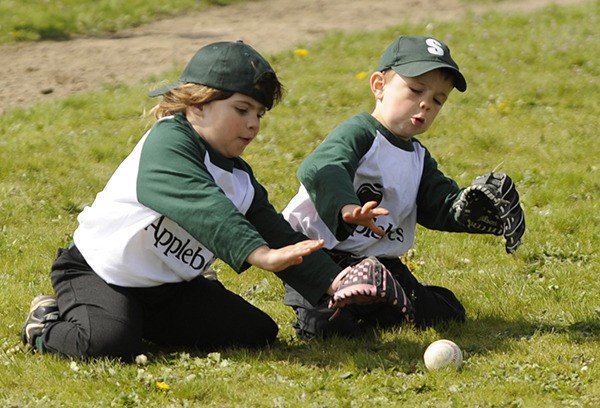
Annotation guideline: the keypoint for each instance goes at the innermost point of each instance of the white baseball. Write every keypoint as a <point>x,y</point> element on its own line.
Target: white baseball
<point>441,354</point>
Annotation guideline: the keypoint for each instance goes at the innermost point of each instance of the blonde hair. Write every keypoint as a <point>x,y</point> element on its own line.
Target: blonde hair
<point>178,99</point>
<point>189,94</point>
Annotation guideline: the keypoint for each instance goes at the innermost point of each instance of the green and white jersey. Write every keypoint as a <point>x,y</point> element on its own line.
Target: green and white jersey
<point>362,161</point>
<point>174,205</point>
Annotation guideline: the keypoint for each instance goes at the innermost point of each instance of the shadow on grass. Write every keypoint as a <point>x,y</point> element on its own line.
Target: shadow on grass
<point>395,349</point>
<point>497,328</point>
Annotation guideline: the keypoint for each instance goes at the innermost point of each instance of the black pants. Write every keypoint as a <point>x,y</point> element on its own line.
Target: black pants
<point>98,319</point>
<point>432,305</point>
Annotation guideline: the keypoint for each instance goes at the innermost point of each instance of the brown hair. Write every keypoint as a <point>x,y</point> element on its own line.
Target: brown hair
<point>447,74</point>
<point>178,99</point>
<point>268,84</point>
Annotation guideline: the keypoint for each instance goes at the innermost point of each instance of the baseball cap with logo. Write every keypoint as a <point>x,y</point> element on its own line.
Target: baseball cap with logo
<point>412,56</point>
<point>228,66</point>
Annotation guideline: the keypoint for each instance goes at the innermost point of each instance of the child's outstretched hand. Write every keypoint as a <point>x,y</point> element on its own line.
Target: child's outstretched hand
<point>276,260</point>
<point>355,214</point>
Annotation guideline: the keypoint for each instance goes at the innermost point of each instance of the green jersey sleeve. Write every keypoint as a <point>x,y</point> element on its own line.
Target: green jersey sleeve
<point>435,197</point>
<point>314,275</point>
<point>174,181</point>
<point>328,172</point>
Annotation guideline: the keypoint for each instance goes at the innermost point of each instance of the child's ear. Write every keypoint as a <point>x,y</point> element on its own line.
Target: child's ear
<point>377,82</point>
<point>195,109</point>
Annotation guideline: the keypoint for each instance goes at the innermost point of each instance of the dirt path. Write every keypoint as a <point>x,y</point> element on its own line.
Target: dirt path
<point>31,72</point>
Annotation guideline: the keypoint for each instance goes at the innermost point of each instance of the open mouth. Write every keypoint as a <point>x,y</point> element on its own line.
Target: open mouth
<point>417,121</point>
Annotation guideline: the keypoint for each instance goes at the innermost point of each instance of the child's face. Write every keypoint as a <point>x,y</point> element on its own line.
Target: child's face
<point>408,106</point>
<point>228,125</point>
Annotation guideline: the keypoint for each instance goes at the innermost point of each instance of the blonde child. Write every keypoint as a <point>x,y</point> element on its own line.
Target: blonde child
<point>136,267</point>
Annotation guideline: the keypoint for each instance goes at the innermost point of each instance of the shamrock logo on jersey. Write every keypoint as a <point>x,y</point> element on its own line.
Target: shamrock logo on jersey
<point>370,192</point>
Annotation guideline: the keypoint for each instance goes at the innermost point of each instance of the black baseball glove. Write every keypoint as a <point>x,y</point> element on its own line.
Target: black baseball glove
<point>368,282</point>
<point>491,205</point>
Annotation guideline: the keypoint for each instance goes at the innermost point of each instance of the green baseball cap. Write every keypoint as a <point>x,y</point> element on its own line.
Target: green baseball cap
<point>228,66</point>
<point>412,56</point>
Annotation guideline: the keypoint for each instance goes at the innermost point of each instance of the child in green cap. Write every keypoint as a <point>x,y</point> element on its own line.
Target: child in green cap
<point>138,264</point>
<point>370,182</point>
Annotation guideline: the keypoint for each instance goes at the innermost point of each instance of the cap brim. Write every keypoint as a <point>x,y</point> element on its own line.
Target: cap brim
<point>163,90</point>
<point>422,67</point>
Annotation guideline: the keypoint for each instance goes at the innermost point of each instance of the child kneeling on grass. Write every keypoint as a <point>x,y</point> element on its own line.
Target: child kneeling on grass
<point>181,199</point>
<point>365,188</point>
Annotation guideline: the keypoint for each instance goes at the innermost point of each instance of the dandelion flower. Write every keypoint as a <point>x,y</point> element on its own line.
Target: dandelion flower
<point>301,52</point>
<point>163,386</point>
<point>141,359</point>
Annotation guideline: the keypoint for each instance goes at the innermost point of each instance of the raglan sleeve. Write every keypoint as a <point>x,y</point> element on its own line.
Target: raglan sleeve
<point>328,172</point>
<point>174,181</point>
<point>435,197</point>
<point>314,275</point>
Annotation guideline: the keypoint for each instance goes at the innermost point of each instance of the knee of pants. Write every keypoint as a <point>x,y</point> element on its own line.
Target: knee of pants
<point>438,305</point>
<point>270,333</point>
<point>72,339</point>
<point>262,335</point>
<point>111,339</point>
<point>315,322</point>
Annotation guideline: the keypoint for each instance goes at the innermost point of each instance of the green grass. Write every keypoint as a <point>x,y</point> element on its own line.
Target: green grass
<point>33,20</point>
<point>533,334</point>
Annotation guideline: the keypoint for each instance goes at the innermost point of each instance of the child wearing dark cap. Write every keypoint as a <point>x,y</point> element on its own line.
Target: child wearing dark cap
<point>365,188</point>
<point>137,268</point>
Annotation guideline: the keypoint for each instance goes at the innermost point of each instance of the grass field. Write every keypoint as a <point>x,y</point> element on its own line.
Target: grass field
<point>532,338</point>
<point>59,20</point>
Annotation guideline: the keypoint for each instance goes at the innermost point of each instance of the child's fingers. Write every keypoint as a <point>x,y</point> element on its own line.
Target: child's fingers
<point>310,245</point>
<point>294,254</point>
<point>380,211</point>
<point>376,228</point>
<point>370,208</point>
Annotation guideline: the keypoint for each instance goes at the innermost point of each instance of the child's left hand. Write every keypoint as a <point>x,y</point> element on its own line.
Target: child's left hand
<point>355,214</point>
<point>276,260</point>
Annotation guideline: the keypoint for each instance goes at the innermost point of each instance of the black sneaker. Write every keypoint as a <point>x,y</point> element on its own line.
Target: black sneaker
<point>43,310</point>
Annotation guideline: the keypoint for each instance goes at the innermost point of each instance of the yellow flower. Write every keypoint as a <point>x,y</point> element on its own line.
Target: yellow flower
<point>163,386</point>
<point>301,52</point>
<point>505,107</point>
<point>412,265</point>
<point>361,75</point>
<point>408,260</point>
<point>500,105</point>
